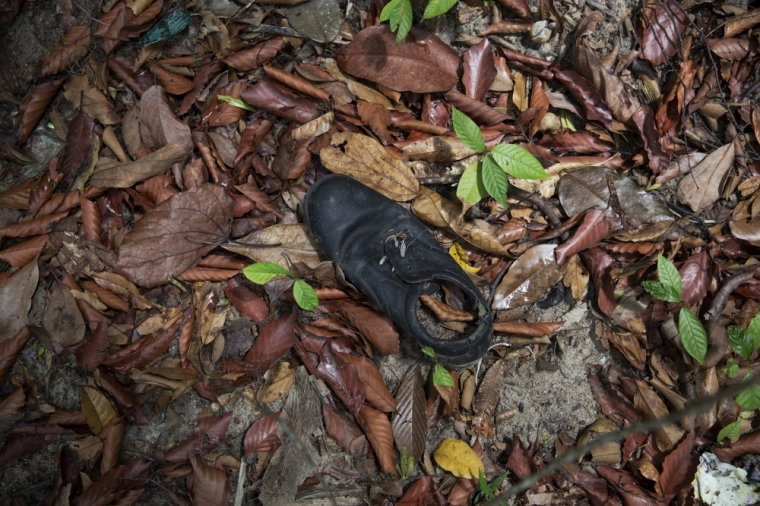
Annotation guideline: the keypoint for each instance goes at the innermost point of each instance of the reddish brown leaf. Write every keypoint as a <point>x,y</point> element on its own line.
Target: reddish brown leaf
<point>729,49</point>
<point>67,52</point>
<point>18,446</point>
<point>112,435</point>
<point>46,185</point>
<point>378,429</point>
<point>94,348</point>
<point>613,405</point>
<point>297,83</point>
<point>18,196</point>
<point>9,350</point>
<point>253,134</point>
<point>644,119</point>
<point>540,102</point>
<point>211,486</point>
<point>261,437</point>
<point>599,265</point>
<point>748,443</point>
<point>377,393</point>
<point>595,488</point>
<point>377,117</point>
<point>214,427</point>
<point>247,302</point>
<point>275,338</point>
<point>519,7</point>
<point>487,398</point>
<point>410,419</point>
<point>16,300</point>
<point>660,31</point>
<point>117,480</point>
<point>586,94</point>
<point>479,70</point>
<point>478,111</point>
<point>574,142</point>
<point>592,230</point>
<point>143,352</point>
<point>181,453</point>
<point>678,468</point>
<point>534,329</point>
<point>111,36</point>
<point>444,312</point>
<point>78,143</point>
<point>249,59</point>
<point>460,492</point>
<point>510,26</point>
<point>626,485</point>
<point>420,63</point>
<point>174,84</point>
<point>36,226</point>
<point>162,124</point>
<point>520,462</point>
<point>419,494</point>
<point>33,106</point>
<point>174,235</point>
<point>376,328</point>
<point>22,253</point>
<point>279,100</point>
<point>220,113</point>
<point>696,277</point>
<point>339,427</point>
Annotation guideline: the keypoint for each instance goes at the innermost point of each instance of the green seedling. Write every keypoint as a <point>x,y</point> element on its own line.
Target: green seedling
<point>399,13</point>
<point>262,272</point>
<point>488,492</point>
<point>441,377</point>
<point>405,464</point>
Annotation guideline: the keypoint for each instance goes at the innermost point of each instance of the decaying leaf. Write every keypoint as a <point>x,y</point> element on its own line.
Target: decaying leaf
<point>111,173</point>
<point>16,300</point>
<point>410,419</point>
<point>281,244</point>
<point>529,278</point>
<point>365,159</point>
<point>63,321</point>
<point>175,234</point>
<point>701,188</point>
<point>317,19</point>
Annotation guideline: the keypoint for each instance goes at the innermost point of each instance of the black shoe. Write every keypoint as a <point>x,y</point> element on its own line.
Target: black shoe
<point>392,258</point>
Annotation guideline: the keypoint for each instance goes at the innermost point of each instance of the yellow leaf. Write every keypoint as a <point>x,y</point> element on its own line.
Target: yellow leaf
<point>455,456</point>
<point>458,254</point>
<point>96,409</point>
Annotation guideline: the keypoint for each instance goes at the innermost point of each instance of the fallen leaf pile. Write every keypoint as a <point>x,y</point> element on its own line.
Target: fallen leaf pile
<point>184,155</point>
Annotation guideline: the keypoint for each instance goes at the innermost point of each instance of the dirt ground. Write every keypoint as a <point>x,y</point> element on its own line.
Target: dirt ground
<point>550,392</point>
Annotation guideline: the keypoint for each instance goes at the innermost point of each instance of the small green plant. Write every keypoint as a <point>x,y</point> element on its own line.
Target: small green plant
<point>261,272</point>
<point>488,492</point>
<point>405,463</point>
<point>441,377</point>
<point>489,177</point>
<point>693,334</point>
<point>399,13</point>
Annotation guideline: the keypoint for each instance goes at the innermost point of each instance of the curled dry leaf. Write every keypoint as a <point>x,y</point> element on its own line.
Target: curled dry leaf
<point>97,409</point>
<point>114,174</point>
<point>67,52</point>
<point>174,84</point>
<point>746,230</point>
<point>247,302</point>
<point>663,26</point>
<point>488,396</point>
<point>163,126</point>
<point>377,393</point>
<point>281,244</point>
<point>33,106</point>
<point>255,57</point>
<point>366,160</point>
<point>78,143</point>
<point>275,338</point>
<point>279,100</point>
<point>375,327</point>
<point>410,419</point>
<point>261,437</point>
<point>438,149</point>
<point>533,329</point>
<point>729,49</point>
<point>593,229</point>
<point>519,7</point>
<point>432,208</point>
<point>175,234</point>
<point>613,405</point>
<point>420,63</point>
<point>701,188</point>
<point>479,112</point>
<point>479,70</point>
<point>444,312</point>
<point>91,100</point>
<point>529,278</point>
<point>380,435</point>
<point>16,300</point>
<point>340,427</point>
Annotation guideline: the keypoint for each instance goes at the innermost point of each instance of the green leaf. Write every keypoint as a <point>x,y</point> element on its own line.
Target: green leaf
<point>437,7</point>
<point>732,368</point>
<point>427,350</point>
<point>730,431</point>
<point>750,398</point>
<point>483,486</point>
<point>566,120</point>
<point>669,274</point>
<point>467,131</point>
<point>399,13</point>
<point>405,464</point>
<point>236,102</point>
<point>385,14</point>
<point>470,187</point>
<point>518,162</point>
<point>740,341</point>
<point>494,180</point>
<point>305,296</point>
<point>653,187</point>
<point>262,272</point>
<point>441,377</point>
<point>753,329</point>
<point>693,335</point>
<point>661,291</point>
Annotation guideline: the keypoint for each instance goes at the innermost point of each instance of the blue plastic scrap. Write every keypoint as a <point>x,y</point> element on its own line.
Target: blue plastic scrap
<point>169,26</point>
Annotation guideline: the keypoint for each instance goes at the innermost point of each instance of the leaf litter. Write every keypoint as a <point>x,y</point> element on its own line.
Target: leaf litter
<point>652,154</point>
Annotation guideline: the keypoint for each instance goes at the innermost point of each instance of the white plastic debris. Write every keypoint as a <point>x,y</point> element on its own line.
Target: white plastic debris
<point>719,484</point>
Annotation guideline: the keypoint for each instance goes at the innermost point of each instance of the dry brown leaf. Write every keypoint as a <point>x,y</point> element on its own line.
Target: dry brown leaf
<point>380,435</point>
<point>437,149</point>
<point>576,277</point>
<point>281,380</point>
<point>410,419</point>
<point>737,24</point>
<point>366,160</point>
<point>444,312</point>
<point>175,234</point>
<point>33,106</point>
<point>728,48</point>
<point>63,321</point>
<point>529,278</point>
<point>162,125</point>
<point>90,100</point>
<point>485,401</point>
<point>67,52</point>
<point>24,252</point>
<point>281,244</point>
<point>701,188</point>
<point>647,400</point>
<point>16,300</point>
<point>97,409</point>
<point>174,84</point>
<point>432,208</point>
<point>377,393</point>
<point>111,173</point>
<point>534,329</point>
<point>746,230</point>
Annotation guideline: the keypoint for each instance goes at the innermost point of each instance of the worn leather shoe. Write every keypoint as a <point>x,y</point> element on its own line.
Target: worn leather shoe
<point>391,257</point>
